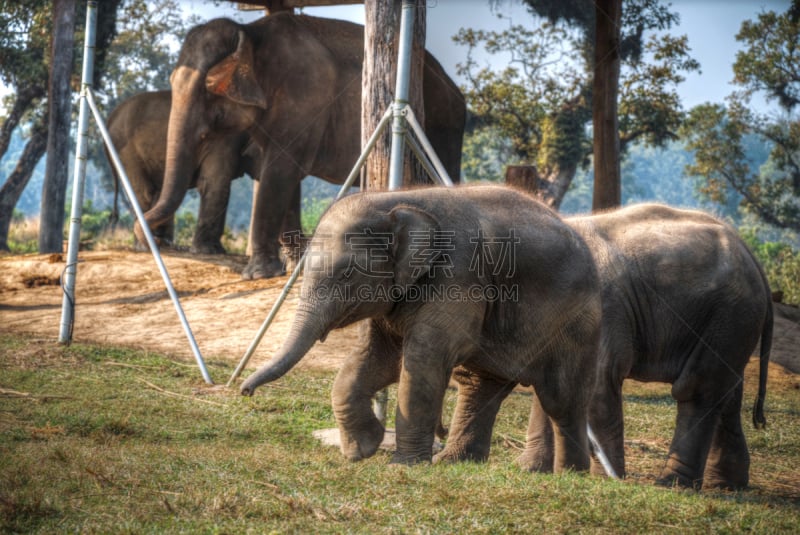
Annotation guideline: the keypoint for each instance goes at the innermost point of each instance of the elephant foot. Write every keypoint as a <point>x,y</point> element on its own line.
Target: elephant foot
<point>677,480</point>
<point>207,248</point>
<point>535,461</point>
<point>713,479</point>
<point>453,454</point>
<point>265,269</point>
<point>364,444</point>
<point>142,247</point>
<point>677,474</point>
<point>409,460</point>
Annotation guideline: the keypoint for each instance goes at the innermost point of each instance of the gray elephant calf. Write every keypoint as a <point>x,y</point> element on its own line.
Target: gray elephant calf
<point>684,302</point>
<point>449,277</point>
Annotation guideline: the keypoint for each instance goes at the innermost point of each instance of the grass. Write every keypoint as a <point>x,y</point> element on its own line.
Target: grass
<point>106,440</point>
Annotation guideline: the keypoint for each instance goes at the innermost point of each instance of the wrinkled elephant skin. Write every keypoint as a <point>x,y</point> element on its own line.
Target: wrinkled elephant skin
<point>685,303</point>
<point>448,278</point>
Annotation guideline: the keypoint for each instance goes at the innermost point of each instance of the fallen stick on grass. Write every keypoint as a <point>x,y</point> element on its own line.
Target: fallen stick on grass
<point>177,395</point>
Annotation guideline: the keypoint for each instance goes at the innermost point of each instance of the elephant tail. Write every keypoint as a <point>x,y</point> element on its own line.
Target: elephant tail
<point>759,421</point>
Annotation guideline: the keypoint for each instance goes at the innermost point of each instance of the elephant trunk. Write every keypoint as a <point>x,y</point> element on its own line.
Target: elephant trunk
<point>306,330</point>
<point>178,171</point>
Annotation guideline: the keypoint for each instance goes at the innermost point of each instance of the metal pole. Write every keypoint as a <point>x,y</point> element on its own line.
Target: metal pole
<point>405,47</point>
<point>151,242</point>
<point>79,179</point>
<point>426,144</point>
<point>299,268</point>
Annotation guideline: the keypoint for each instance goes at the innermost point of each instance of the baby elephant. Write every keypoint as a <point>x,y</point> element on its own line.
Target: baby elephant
<point>684,302</point>
<point>446,278</point>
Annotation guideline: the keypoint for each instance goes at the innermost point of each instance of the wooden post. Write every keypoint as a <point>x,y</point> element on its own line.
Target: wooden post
<point>275,6</point>
<point>54,191</point>
<point>607,183</point>
<point>381,33</point>
<point>524,177</point>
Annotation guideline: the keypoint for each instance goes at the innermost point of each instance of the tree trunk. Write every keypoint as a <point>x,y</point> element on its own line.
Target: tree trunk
<point>550,189</point>
<point>51,231</point>
<point>524,177</point>
<point>25,98</point>
<point>607,188</point>
<point>381,36</point>
<point>18,179</point>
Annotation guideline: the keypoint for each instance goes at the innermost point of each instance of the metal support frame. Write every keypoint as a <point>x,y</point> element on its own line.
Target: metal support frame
<point>88,104</point>
<point>415,144</point>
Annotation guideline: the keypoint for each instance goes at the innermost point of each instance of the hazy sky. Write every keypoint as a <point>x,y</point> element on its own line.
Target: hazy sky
<point>710,24</point>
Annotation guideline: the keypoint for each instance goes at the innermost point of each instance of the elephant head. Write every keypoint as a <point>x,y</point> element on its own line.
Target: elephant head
<point>359,263</point>
<point>214,95</point>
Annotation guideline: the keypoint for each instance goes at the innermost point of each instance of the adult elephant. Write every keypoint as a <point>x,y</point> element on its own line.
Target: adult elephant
<point>685,303</point>
<point>448,277</point>
<point>293,83</point>
<point>138,128</point>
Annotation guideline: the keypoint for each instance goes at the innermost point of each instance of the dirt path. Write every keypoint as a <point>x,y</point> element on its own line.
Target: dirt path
<point>121,300</point>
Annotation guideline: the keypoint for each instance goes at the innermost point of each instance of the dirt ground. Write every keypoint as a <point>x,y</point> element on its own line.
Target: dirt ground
<point>121,300</point>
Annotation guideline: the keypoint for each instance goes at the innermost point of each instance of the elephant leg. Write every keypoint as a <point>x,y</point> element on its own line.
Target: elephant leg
<point>690,445</point>
<point>571,443</point>
<point>278,181</point>
<point>215,192</point>
<point>706,390</point>
<point>372,367</point>
<point>479,400</point>
<point>424,377</point>
<point>606,420</point>
<point>728,464</point>
<point>146,188</point>
<point>563,394</point>
<point>538,455</point>
<point>292,240</point>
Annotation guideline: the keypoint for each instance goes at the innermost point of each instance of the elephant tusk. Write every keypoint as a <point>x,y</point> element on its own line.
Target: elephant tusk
<point>601,455</point>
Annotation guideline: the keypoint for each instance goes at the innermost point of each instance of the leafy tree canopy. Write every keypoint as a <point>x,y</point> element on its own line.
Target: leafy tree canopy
<point>541,102</point>
<point>770,64</point>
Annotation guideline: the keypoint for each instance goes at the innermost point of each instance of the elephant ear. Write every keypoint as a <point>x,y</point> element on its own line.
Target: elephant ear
<point>233,77</point>
<point>413,249</point>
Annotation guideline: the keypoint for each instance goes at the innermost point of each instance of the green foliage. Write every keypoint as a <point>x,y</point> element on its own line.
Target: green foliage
<point>485,154</point>
<point>93,222</point>
<point>143,53</point>
<point>185,225</point>
<point>649,105</point>
<point>537,111</point>
<point>23,234</point>
<point>24,41</point>
<point>719,138</point>
<point>769,59</point>
<point>541,77</point>
<point>101,439</point>
<point>781,263</point>
<point>718,133</point>
<point>311,210</point>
